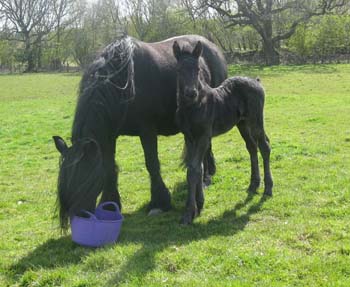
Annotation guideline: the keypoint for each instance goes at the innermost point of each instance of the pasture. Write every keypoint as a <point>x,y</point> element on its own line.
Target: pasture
<point>300,237</point>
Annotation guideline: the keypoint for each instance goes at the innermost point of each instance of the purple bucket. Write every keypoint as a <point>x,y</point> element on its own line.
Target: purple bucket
<point>97,229</point>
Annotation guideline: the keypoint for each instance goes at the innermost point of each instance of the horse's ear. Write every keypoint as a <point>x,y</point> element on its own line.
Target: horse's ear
<point>176,50</point>
<point>60,144</point>
<point>197,51</point>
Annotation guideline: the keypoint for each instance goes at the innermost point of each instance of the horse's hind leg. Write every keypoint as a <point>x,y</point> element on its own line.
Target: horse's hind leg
<point>160,195</point>
<point>110,188</point>
<point>265,149</point>
<point>251,145</point>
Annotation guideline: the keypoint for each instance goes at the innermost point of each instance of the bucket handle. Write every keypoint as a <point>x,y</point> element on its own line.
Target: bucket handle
<point>91,215</point>
<point>102,205</point>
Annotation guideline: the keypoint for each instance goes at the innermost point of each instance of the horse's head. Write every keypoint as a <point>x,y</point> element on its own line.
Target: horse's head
<point>80,178</point>
<point>188,71</point>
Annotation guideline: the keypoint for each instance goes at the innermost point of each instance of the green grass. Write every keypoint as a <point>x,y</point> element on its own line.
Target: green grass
<point>300,237</point>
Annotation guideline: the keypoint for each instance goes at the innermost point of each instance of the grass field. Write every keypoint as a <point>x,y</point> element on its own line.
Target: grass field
<point>300,237</point>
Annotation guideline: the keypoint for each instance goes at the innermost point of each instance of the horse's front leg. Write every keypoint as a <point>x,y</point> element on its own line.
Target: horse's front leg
<point>110,188</point>
<point>160,195</point>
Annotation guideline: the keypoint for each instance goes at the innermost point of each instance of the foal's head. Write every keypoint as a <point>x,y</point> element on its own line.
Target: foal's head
<point>188,71</point>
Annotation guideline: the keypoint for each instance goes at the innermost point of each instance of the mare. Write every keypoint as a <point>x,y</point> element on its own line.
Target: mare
<point>130,89</point>
<point>204,112</point>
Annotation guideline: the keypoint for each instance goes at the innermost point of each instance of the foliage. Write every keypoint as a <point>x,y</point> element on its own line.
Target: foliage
<point>73,30</point>
<point>300,237</point>
<point>328,35</point>
<point>7,54</point>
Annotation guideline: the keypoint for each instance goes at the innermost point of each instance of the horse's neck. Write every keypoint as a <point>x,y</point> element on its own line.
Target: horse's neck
<point>91,123</point>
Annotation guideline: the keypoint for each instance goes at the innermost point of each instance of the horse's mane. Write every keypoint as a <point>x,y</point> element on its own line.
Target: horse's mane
<point>105,90</point>
<point>107,84</point>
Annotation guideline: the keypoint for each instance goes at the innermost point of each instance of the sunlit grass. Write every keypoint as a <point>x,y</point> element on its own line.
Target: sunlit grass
<point>300,237</point>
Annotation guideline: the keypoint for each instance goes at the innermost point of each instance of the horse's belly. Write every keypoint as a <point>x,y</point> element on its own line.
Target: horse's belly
<point>167,129</point>
<point>137,123</point>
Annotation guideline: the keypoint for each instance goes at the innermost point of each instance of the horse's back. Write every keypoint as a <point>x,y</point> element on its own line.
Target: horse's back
<point>162,53</point>
<point>155,83</point>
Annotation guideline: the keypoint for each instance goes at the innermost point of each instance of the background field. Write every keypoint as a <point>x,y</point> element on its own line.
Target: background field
<point>300,237</point>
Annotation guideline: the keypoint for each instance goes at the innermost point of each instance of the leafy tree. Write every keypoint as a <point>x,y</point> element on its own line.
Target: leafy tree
<point>263,14</point>
<point>7,55</point>
<point>28,21</point>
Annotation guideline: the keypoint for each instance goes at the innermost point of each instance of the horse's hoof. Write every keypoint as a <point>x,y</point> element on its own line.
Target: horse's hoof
<point>155,211</point>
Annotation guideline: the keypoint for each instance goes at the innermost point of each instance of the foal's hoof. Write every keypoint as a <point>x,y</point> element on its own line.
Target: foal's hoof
<point>253,187</point>
<point>268,192</point>
<point>252,190</point>
<point>186,220</point>
<point>155,211</point>
<point>188,217</point>
<point>206,181</point>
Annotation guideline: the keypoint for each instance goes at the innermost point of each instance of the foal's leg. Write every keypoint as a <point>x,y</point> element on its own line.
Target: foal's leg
<point>160,196</point>
<point>251,145</point>
<point>195,196</point>
<point>265,150</point>
<point>193,181</point>
<point>110,188</point>
<point>209,167</point>
<point>200,193</point>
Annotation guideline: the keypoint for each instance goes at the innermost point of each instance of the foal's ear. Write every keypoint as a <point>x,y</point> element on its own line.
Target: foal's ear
<point>60,144</point>
<point>176,50</point>
<point>197,51</point>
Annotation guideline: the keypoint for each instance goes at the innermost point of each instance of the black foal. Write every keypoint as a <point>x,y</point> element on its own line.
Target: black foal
<point>204,112</point>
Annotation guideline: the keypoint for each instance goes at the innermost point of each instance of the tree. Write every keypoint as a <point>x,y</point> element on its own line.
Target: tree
<point>273,20</point>
<point>28,21</point>
<point>150,19</point>
<point>65,13</point>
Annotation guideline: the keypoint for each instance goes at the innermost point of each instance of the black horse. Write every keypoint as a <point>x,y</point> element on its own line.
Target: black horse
<point>130,89</point>
<point>204,112</point>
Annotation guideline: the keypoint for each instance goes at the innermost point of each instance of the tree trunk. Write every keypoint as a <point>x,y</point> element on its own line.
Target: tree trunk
<point>29,57</point>
<point>57,63</point>
<point>39,56</point>
<point>271,55</point>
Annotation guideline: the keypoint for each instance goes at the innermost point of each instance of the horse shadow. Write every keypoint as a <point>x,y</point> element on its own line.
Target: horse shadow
<point>51,254</point>
<point>154,234</point>
<point>171,234</point>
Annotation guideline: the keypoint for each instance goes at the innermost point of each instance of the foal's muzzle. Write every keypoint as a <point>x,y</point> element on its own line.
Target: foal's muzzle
<point>191,93</point>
